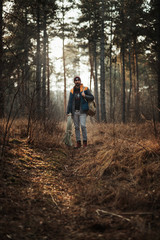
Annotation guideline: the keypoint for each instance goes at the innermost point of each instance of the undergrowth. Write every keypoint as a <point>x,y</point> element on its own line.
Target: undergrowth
<point>118,171</point>
<point>126,160</point>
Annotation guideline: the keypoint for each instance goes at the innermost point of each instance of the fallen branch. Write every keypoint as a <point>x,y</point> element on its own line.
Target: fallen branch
<point>55,203</point>
<point>138,213</point>
<point>98,211</point>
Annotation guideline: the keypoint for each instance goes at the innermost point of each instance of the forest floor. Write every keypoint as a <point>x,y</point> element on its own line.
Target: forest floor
<point>108,190</point>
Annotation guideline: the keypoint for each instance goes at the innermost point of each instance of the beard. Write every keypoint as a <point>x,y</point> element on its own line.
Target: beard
<point>77,85</point>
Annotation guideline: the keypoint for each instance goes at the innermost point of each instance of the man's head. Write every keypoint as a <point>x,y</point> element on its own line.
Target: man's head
<point>77,81</point>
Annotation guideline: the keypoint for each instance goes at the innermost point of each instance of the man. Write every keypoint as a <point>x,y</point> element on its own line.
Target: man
<point>78,107</point>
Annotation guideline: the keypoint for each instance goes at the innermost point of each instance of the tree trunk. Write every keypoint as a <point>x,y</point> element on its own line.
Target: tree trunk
<point>110,85</point>
<point>114,89</point>
<point>24,93</point>
<point>158,55</point>
<point>123,83</point>
<point>26,67</point>
<point>64,61</point>
<point>1,64</point>
<point>110,73</point>
<point>48,76</point>
<point>137,114</point>
<point>96,81</point>
<point>91,61</point>
<point>102,63</point>
<point>38,66</point>
<point>44,66</point>
<point>64,76</point>
<point>130,78</point>
<point>123,68</point>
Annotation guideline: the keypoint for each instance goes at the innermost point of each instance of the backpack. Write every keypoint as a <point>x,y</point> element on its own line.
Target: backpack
<point>92,108</point>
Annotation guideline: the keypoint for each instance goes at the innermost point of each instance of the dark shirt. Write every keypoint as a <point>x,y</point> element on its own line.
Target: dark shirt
<point>77,98</point>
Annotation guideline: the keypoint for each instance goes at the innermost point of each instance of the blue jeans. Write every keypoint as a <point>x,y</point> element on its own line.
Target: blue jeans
<point>79,119</point>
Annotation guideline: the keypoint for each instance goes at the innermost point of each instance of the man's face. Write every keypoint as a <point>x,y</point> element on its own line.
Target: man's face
<point>77,83</point>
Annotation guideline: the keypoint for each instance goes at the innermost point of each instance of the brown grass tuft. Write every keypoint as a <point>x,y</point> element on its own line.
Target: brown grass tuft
<point>126,160</point>
<point>40,135</point>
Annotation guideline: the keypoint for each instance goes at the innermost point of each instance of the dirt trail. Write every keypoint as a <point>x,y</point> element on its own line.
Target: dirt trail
<point>44,197</point>
<point>39,192</point>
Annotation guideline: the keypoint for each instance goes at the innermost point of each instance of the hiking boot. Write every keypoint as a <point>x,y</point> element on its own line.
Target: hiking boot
<point>84,143</point>
<point>78,144</point>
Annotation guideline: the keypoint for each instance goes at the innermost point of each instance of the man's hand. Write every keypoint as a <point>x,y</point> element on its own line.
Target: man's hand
<point>83,94</point>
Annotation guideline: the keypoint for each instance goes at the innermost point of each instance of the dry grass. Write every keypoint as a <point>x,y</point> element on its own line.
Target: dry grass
<point>123,162</point>
<point>40,135</point>
<point>48,135</point>
<point>119,171</point>
<point>121,146</point>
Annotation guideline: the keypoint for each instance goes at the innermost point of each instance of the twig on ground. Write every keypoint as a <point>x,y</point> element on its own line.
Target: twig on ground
<point>98,211</point>
<point>66,167</point>
<point>55,203</point>
<point>138,213</point>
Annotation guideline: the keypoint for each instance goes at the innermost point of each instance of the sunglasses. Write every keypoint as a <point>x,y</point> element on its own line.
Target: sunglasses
<point>77,80</point>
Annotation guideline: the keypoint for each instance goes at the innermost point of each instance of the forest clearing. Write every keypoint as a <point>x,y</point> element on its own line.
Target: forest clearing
<point>108,190</point>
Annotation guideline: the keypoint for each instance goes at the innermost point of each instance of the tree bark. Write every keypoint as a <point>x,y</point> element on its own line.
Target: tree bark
<point>64,76</point>
<point>48,76</point>
<point>91,61</point>
<point>123,68</point>
<point>96,81</point>
<point>64,60</point>
<point>110,72</point>
<point>114,89</point>
<point>26,67</point>
<point>123,83</point>
<point>158,55</point>
<point>38,65</point>
<point>1,63</point>
<point>44,65</point>
<point>102,63</point>
<point>130,79</point>
<point>137,100</point>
